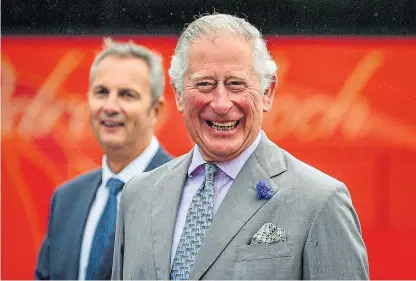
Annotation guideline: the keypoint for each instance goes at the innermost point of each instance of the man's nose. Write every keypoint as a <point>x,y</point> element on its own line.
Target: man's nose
<point>111,105</point>
<point>221,103</point>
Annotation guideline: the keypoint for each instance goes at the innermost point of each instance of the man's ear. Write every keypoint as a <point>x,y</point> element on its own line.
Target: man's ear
<point>269,94</point>
<point>157,110</point>
<point>178,99</point>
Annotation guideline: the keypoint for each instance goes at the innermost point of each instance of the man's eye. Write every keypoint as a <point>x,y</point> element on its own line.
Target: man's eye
<point>236,85</point>
<point>101,91</point>
<point>205,86</point>
<point>127,94</point>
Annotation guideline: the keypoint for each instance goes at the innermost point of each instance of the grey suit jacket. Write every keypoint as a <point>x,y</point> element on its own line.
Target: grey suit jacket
<point>323,232</point>
<point>59,255</point>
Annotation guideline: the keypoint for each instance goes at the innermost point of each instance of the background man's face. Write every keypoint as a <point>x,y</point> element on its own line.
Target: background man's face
<point>119,101</point>
<point>222,102</point>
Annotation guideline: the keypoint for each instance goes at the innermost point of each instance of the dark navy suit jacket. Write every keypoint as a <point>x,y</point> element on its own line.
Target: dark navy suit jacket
<point>59,255</point>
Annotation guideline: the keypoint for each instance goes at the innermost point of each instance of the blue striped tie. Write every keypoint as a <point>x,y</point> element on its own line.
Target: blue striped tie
<point>198,220</point>
<point>104,234</point>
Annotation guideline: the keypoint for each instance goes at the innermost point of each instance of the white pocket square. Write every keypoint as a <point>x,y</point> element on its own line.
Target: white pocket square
<point>269,233</point>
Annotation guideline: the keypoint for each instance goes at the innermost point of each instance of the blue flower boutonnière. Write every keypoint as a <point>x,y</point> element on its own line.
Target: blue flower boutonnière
<point>263,190</point>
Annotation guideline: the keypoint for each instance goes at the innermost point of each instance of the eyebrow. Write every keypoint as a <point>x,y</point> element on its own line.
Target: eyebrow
<point>199,76</point>
<point>99,86</point>
<point>238,76</point>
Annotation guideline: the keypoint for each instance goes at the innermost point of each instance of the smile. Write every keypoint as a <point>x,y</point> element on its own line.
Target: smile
<point>108,123</point>
<point>223,126</point>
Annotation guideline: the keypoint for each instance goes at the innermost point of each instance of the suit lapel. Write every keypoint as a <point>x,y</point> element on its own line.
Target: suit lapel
<point>240,203</point>
<point>160,158</point>
<point>164,209</point>
<point>83,206</point>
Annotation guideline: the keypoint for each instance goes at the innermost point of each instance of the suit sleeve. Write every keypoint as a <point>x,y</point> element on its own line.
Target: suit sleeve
<point>334,248</point>
<point>42,271</point>
<point>117,271</point>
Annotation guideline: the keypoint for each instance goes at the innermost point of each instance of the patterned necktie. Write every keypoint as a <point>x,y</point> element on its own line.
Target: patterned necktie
<point>104,233</point>
<point>198,220</point>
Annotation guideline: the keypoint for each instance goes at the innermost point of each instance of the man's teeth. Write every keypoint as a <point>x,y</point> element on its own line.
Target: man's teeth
<point>225,126</point>
<point>112,124</point>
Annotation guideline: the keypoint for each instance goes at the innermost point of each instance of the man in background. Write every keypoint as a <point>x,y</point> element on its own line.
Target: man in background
<point>125,101</point>
<point>236,206</point>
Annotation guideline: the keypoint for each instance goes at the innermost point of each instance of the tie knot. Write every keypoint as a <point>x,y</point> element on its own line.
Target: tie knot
<point>115,186</point>
<point>210,170</point>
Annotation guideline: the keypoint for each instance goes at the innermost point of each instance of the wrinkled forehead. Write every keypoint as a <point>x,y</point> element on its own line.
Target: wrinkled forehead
<point>222,37</point>
<point>221,50</point>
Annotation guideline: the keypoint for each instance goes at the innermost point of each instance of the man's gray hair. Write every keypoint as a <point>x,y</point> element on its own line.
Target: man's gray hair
<point>208,25</point>
<point>130,49</point>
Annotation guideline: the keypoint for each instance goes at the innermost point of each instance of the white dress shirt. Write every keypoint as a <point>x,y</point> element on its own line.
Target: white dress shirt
<point>224,178</point>
<point>97,208</point>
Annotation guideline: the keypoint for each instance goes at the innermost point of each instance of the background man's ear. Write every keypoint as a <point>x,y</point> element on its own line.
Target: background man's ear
<point>157,110</point>
<point>178,99</point>
<point>268,95</point>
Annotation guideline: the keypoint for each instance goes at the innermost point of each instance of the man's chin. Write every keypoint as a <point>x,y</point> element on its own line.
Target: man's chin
<point>112,144</point>
<point>220,152</point>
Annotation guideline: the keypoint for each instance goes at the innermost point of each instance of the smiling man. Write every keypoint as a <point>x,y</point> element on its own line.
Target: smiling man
<point>125,101</point>
<point>237,206</point>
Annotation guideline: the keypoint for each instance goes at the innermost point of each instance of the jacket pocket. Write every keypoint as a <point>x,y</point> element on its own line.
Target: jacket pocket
<point>263,251</point>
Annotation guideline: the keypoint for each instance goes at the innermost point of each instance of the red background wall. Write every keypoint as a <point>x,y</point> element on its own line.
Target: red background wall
<point>344,105</point>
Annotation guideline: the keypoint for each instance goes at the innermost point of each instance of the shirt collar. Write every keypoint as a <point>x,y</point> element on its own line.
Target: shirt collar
<point>138,165</point>
<point>231,167</point>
